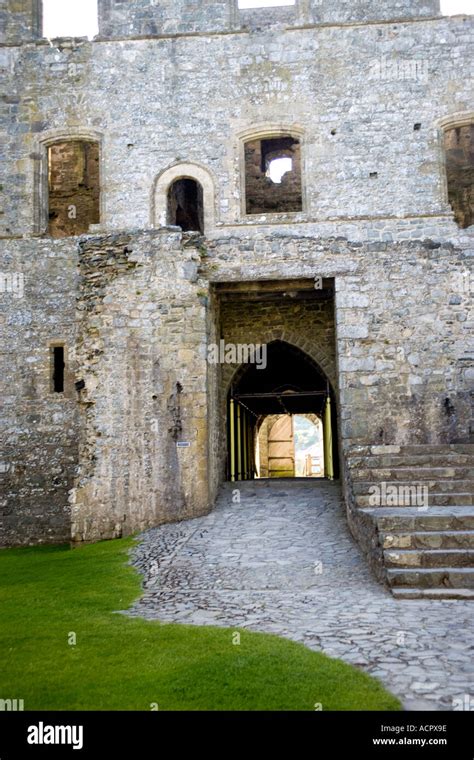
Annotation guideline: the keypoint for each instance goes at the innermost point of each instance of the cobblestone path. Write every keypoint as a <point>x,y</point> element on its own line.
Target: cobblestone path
<point>283,561</point>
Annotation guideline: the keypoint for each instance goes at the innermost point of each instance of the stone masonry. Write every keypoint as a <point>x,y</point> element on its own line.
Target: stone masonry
<point>282,561</point>
<point>374,101</point>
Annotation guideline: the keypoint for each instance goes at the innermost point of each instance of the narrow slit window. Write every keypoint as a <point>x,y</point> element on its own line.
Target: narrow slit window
<point>58,367</point>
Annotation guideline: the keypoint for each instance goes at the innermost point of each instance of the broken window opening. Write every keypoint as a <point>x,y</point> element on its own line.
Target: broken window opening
<point>70,18</point>
<point>459,150</point>
<point>57,369</point>
<point>454,7</point>
<point>186,205</point>
<point>277,168</point>
<point>273,181</point>
<point>73,187</point>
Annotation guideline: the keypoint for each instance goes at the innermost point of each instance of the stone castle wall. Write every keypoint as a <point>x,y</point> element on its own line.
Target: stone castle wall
<point>137,18</point>
<point>155,103</point>
<point>39,428</point>
<point>134,303</point>
<point>144,318</point>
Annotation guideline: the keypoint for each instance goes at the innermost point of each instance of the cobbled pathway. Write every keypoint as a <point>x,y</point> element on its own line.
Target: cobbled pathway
<point>283,561</point>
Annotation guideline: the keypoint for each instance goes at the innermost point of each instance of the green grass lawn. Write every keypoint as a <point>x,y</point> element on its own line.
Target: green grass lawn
<point>120,663</point>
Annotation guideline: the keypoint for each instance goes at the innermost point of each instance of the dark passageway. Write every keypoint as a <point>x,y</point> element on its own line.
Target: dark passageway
<point>291,384</point>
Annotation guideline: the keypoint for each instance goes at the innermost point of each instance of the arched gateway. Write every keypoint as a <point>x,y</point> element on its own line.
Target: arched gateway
<point>288,383</point>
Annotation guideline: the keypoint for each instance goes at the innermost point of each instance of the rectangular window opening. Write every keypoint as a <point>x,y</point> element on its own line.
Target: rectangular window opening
<point>456,7</point>
<point>459,153</point>
<point>73,187</point>
<point>70,18</point>
<point>273,182</point>
<point>57,367</point>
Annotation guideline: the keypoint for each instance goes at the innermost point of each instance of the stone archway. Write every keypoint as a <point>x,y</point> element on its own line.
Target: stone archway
<point>293,312</point>
<point>186,205</point>
<point>309,345</point>
<point>183,170</point>
<point>291,384</point>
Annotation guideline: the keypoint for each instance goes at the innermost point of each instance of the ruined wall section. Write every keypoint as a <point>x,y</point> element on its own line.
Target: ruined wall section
<point>43,97</point>
<point>119,18</point>
<point>142,360</point>
<point>20,21</point>
<point>38,427</point>
<point>159,102</point>
<point>404,358</point>
<point>348,11</point>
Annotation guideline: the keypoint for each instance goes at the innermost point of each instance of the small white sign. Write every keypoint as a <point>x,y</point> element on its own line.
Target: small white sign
<point>183,444</point>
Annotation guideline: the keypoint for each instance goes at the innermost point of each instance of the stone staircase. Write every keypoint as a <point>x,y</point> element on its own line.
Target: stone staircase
<point>421,501</point>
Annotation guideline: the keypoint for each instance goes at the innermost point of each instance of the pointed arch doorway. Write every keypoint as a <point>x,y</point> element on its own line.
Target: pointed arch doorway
<point>263,406</point>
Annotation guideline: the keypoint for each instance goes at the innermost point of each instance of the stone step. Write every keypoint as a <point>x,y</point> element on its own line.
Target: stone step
<point>435,486</point>
<point>412,519</point>
<point>451,499</point>
<point>364,501</point>
<point>429,558</point>
<point>411,449</point>
<point>438,448</point>
<point>440,577</point>
<point>433,593</point>
<point>428,539</point>
<point>413,461</point>
<point>411,474</point>
<point>278,482</point>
